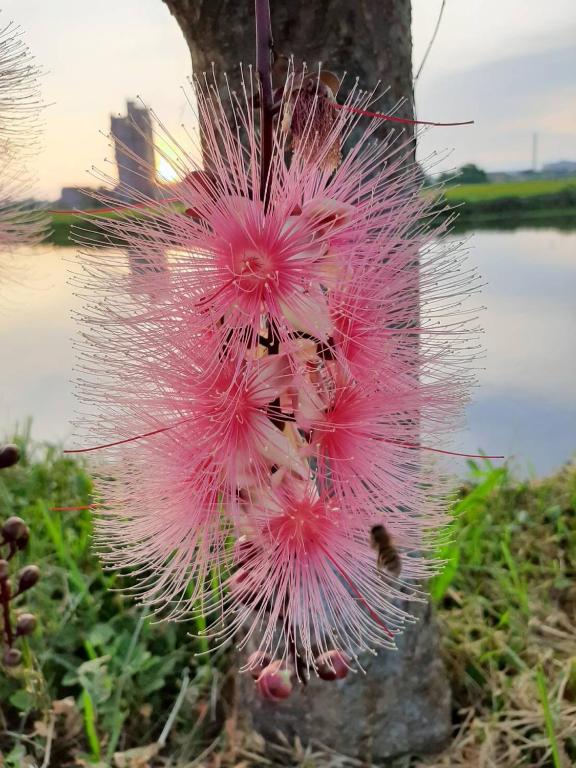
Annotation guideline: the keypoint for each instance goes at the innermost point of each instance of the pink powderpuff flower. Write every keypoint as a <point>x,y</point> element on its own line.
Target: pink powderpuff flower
<point>265,412</point>
<point>20,106</point>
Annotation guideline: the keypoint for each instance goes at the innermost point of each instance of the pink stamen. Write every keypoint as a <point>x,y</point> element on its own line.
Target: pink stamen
<point>128,439</point>
<point>72,509</point>
<point>119,208</point>
<point>415,447</point>
<point>392,119</point>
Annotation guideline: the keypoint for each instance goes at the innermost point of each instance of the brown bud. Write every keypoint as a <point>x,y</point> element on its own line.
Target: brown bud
<point>274,682</point>
<point>332,665</point>
<point>25,624</point>
<point>9,455</point>
<point>27,577</point>
<point>257,661</point>
<point>3,569</point>
<point>13,529</point>
<point>22,542</point>
<point>11,657</point>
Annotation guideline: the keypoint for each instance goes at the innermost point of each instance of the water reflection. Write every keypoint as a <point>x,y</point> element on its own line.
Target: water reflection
<point>149,275</point>
<point>525,405</point>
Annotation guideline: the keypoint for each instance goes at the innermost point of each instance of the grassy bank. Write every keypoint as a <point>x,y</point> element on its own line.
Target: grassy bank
<point>528,203</point>
<point>100,680</point>
<point>65,228</point>
<point>514,204</point>
<point>472,193</point>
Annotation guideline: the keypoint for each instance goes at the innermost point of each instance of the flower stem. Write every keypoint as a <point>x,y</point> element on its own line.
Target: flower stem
<point>5,600</point>
<point>264,47</point>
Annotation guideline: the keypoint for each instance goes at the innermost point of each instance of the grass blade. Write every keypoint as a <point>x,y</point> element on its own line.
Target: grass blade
<point>543,693</point>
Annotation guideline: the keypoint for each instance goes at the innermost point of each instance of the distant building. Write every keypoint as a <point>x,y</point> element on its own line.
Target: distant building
<point>561,168</point>
<point>79,198</point>
<point>134,151</point>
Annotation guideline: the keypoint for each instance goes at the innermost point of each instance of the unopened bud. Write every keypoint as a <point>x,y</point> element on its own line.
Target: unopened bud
<point>257,661</point>
<point>22,542</point>
<point>4,569</point>
<point>9,455</point>
<point>240,588</point>
<point>13,529</point>
<point>274,682</point>
<point>25,624</point>
<point>332,665</point>
<point>27,577</point>
<point>11,657</point>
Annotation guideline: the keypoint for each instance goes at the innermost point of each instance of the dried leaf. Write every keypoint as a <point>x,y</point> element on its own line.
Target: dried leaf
<point>139,757</point>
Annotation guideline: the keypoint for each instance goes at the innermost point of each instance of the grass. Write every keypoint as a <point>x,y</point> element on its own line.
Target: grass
<point>100,677</point>
<point>507,606</point>
<point>102,683</point>
<point>493,191</point>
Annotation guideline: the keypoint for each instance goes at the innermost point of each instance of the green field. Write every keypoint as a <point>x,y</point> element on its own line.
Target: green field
<point>476,192</point>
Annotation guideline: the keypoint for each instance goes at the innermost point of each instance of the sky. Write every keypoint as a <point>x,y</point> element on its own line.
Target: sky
<point>510,65</point>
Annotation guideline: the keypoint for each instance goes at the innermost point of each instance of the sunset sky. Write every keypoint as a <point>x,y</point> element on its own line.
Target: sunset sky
<point>511,66</point>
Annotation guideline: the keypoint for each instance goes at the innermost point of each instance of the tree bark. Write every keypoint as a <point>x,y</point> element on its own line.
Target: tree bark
<point>368,39</point>
<point>403,703</point>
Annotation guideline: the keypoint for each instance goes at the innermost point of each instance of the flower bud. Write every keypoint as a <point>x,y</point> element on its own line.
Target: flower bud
<point>238,585</point>
<point>27,577</point>
<point>9,455</point>
<point>13,529</point>
<point>22,542</point>
<point>274,682</point>
<point>11,657</point>
<point>25,624</point>
<point>4,572</point>
<point>257,661</point>
<point>332,665</point>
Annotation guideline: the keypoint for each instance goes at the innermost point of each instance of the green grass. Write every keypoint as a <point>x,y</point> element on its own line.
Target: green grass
<point>507,605</point>
<point>98,670</point>
<point>100,677</point>
<point>475,192</point>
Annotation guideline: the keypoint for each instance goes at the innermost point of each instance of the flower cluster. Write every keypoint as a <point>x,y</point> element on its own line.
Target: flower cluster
<point>266,411</point>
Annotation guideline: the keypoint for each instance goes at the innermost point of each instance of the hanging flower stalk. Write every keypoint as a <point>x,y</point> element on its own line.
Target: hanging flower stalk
<point>272,422</point>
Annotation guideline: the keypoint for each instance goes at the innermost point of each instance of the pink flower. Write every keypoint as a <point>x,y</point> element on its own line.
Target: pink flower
<point>265,413</point>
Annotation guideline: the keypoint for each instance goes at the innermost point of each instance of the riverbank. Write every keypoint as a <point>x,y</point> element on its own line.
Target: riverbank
<point>100,678</point>
<point>529,202</point>
<point>479,206</point>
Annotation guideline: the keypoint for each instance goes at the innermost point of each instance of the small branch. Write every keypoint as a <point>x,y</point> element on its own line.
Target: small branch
<point>431,43</point>
<point>264,47</point>
<point>49,738</point>
<point>5,600</point>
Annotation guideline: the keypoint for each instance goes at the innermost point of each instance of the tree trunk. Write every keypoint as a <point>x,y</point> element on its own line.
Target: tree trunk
<point>403,703</point>
<point>368,39</point>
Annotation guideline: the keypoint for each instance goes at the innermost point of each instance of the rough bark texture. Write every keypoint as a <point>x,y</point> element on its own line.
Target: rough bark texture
<point>402,704</point>
<point>369,39</point>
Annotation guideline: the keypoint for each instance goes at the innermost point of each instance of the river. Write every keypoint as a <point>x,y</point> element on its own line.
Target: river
<point>524,405</point>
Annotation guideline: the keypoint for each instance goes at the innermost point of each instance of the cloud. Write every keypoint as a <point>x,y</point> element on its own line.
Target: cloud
<point>510,99</point>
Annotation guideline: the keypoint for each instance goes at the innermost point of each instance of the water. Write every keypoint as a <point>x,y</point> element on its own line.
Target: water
<point>525,404</point>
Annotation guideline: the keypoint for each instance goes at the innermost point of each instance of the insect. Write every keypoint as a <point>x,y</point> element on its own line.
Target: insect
<point>388,557</point>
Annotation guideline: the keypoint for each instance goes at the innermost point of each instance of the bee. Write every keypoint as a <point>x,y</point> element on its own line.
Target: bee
<point>388,557</point>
